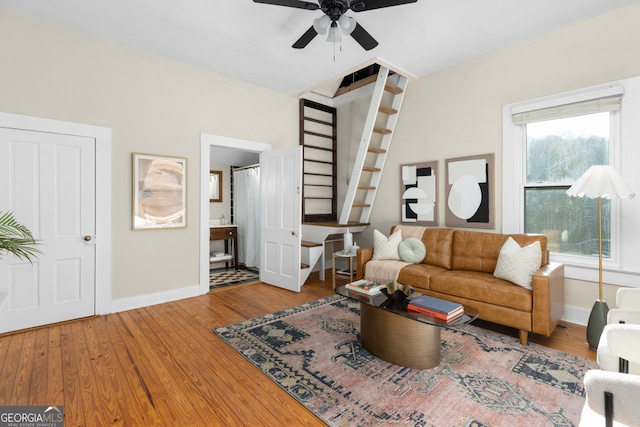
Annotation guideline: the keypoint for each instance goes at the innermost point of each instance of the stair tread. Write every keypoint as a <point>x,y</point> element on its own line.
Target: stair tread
<point>376,150</point>
<point>366,187</point>
<point>393,89</point>
<point>361,205</point>
<point>387,110</point>
<point>379,129</point>
<point>370,169</point>
<point>308,244</point>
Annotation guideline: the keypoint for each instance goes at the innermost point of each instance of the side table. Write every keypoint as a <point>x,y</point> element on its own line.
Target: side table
<point>342,254</point>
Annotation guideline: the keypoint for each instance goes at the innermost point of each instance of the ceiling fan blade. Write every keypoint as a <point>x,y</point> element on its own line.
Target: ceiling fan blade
<point>363,38</point>
<point>364,5</point>
<point>305,39</point>
<point>290,3</point>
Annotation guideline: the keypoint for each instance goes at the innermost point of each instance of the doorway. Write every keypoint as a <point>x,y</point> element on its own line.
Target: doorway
<point>92,233</point>
<point>220,151</point>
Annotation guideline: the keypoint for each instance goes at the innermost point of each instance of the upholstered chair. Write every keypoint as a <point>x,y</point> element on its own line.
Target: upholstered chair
<point>627,312</point>
<point>612,399</point>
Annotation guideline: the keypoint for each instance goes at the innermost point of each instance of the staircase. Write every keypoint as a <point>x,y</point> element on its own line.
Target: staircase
<point>388,94</point>
<point>374,146</point>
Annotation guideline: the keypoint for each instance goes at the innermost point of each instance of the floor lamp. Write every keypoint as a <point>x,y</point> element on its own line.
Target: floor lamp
<point>601,181</point>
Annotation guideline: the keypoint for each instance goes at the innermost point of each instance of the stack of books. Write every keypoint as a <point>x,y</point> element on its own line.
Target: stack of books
<point>436,307</point>
<point>365,287</point>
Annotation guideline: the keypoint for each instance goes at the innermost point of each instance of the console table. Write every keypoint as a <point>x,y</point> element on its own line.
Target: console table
<point>226,233</point>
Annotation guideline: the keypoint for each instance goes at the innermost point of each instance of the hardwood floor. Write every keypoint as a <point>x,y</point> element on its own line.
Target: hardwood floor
<point>164,366</point>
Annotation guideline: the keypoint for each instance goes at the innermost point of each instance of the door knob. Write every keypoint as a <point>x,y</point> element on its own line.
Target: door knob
<point>293,233</point>
<point>87,238</point>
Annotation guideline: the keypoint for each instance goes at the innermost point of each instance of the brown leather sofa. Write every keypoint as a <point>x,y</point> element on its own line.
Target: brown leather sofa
<point>459,267</point>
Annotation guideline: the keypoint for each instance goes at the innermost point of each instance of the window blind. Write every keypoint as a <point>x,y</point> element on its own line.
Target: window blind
<point>592,106</point>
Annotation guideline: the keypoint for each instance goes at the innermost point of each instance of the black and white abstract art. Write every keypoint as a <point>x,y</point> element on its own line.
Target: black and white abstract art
<point>469,185</point>
<point>419,193</point>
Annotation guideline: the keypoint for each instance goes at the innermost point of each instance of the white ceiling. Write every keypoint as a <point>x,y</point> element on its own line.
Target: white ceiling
<point>252,42</point>
<point>232,157</point>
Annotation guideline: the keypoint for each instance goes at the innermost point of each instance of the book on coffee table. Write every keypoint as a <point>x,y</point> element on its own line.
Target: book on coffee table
<point>448,317</point>
<point>365,286</point>
<point>442,307</point>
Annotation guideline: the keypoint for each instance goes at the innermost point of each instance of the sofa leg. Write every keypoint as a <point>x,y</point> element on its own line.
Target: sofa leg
<point>523,336</point>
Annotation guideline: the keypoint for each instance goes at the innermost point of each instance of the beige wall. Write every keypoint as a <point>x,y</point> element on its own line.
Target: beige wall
<point>458,112</point>
<point>153,105</point>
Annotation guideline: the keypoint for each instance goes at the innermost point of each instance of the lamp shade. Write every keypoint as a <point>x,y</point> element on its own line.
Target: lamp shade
<point>321,25</point>
<point>600,181</point>
<point>333,35</point>
<point>347,23</point>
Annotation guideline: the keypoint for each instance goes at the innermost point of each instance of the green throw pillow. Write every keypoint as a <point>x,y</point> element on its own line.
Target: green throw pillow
<point>412,250</point>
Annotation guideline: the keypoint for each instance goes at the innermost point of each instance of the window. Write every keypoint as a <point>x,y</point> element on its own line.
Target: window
<point>548,143</point>
<point>557,153</point>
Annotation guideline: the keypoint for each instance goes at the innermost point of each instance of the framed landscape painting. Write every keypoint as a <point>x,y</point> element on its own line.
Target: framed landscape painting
<point>159,192</point>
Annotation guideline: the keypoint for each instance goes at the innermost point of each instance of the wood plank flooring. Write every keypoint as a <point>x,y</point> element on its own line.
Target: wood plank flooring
<point>164,366</point>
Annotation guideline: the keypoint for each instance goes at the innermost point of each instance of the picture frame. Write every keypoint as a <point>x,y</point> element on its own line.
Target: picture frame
<point>469,183</point>
<point>159,192</point>
<point>215,186</point>
<point>419,193</point>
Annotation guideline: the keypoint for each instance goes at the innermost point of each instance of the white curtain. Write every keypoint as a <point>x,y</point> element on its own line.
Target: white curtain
<point>246,212</point>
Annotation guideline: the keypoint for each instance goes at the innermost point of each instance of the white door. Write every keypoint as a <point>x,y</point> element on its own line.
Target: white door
<point>281,177</point>
<point>48,181</point>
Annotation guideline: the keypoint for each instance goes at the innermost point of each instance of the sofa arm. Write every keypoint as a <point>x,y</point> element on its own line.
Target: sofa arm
<point>362,257</point>
<point>548,298</point>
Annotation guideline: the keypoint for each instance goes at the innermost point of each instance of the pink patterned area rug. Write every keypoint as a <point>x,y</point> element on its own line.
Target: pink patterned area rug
<point>485,378</point>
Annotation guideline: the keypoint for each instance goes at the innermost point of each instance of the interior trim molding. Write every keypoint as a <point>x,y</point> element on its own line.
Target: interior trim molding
<point>146,300</point>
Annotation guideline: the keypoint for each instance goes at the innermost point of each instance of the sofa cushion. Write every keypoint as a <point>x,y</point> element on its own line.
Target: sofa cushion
<point>476,251</point>
<point>484,287</point>
<point>386,248</point>
<point>439,244</point>
<point>517,264</point>
<point>412,250</point>
<point>418,275</point>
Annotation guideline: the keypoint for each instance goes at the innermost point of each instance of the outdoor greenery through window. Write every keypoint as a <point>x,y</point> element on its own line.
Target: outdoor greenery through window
<point>558,152</point>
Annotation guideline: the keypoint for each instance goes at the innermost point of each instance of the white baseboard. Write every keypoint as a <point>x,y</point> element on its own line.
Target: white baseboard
<point>579,316</point>
<point>153,299</point>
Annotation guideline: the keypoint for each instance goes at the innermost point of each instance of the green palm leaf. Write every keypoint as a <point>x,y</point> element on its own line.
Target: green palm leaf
<point>16,239</point>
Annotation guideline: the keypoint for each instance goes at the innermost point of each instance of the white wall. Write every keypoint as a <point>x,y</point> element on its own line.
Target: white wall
<point>153,105</point>
<point>458,112</point>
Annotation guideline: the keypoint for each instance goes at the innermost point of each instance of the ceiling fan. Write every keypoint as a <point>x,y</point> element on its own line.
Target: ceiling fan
<point>334,18</point>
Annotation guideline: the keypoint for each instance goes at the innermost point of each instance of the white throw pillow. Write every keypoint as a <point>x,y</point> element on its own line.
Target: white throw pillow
<point>384,248</point>
<point>412,250</point>
<point>517,264</point>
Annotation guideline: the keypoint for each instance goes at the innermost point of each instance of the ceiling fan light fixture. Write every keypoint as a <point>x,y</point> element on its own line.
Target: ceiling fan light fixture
<point>321,24</point>
<point>334,33</point>
<point>347,23</point>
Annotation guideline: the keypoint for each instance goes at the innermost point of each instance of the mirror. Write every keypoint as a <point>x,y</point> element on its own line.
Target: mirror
<point>215,186</point>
